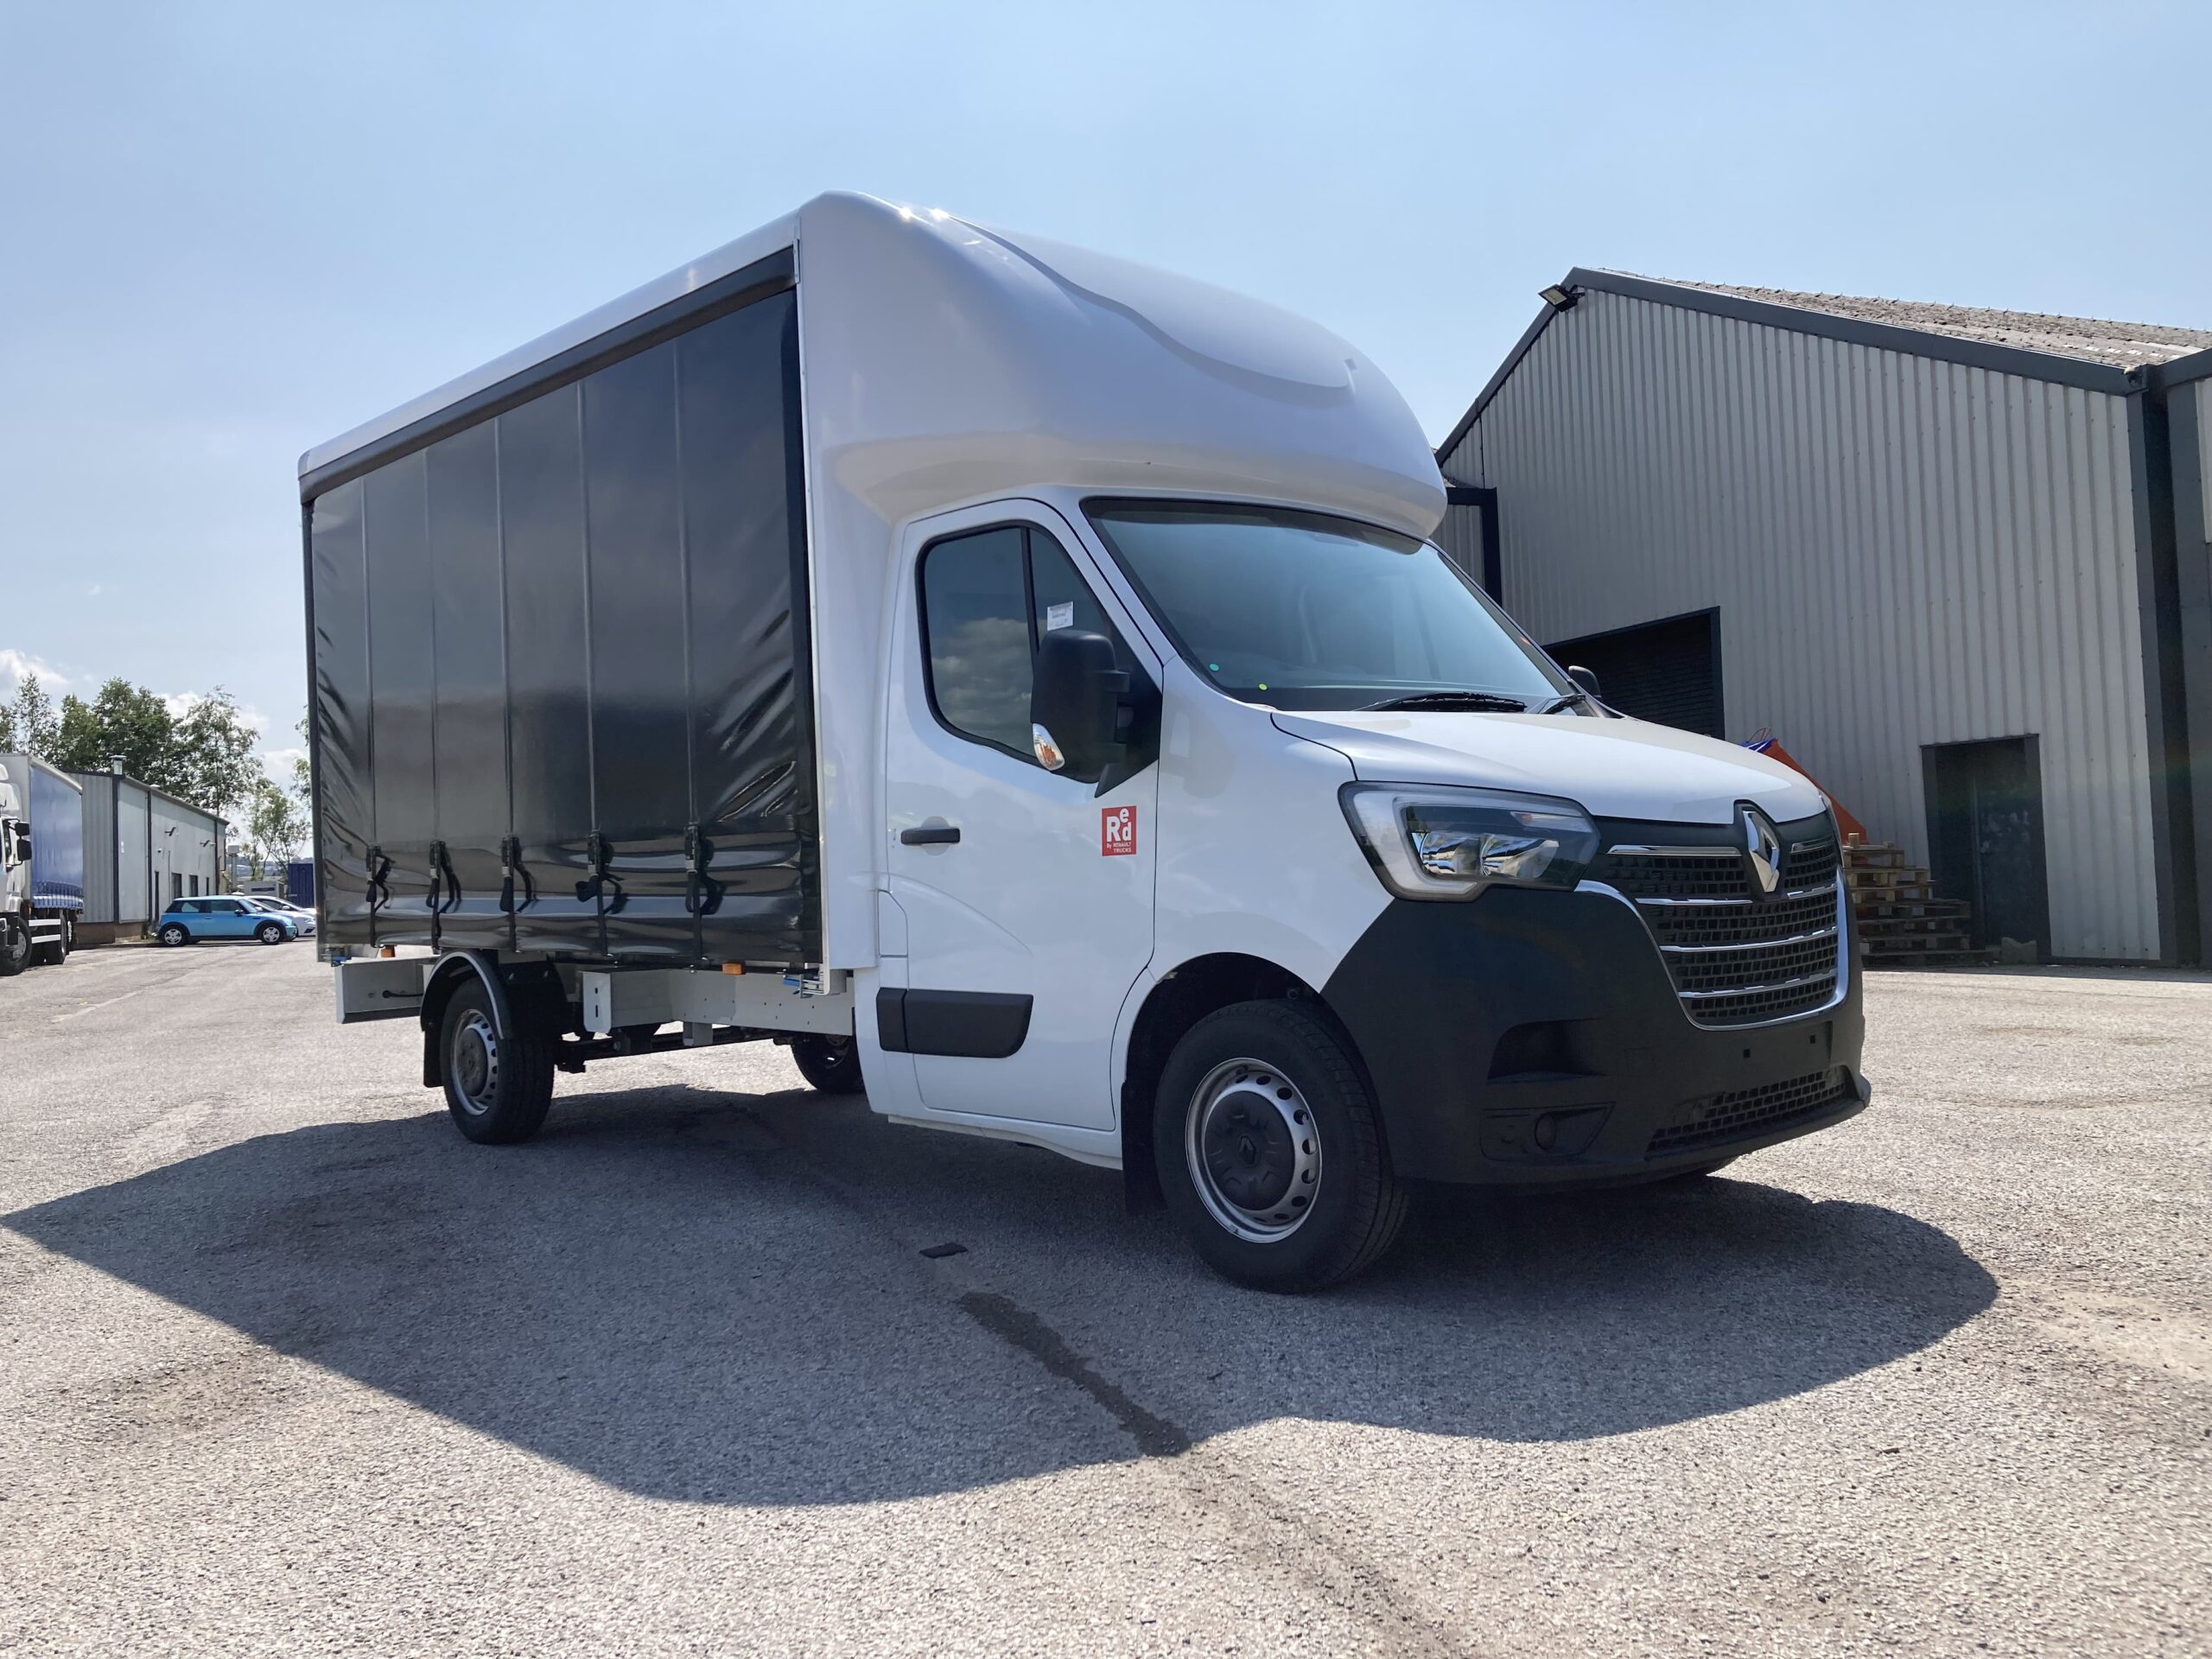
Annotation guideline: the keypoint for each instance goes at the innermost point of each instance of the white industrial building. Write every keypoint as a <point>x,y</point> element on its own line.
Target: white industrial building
<point>1955,560</point>
<point>143,849</point>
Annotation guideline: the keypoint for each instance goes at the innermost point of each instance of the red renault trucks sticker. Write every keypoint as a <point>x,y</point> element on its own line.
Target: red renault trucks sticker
<point>1117,830</point>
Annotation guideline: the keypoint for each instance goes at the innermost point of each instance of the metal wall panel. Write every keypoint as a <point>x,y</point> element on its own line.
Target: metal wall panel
<point>2200,395</point>
<point>1904,552</point>
<point>133,867</point>
<point>1460,534</point>
<point>99,844</point>
<point>187,844</point>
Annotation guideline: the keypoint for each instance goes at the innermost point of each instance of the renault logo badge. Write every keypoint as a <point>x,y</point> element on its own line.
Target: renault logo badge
<point>1762,844</point>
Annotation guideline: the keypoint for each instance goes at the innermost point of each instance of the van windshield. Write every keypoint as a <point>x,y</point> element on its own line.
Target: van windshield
<point>1302,610</point>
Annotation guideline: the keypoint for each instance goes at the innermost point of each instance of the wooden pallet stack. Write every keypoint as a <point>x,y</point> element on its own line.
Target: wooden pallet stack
<point>1901,921</point>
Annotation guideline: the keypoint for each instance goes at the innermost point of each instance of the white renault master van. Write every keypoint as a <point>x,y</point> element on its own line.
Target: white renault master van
<point>1020,680</point>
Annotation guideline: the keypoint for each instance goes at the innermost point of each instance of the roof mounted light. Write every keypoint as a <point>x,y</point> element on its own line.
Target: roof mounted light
<point>1558,298</point>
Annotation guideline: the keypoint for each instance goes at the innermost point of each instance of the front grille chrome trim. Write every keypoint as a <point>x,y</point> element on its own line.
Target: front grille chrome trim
<point>1741,903</point>
<point>1796,984</point>
<point>1814,938</point>
<point>1709,938</point>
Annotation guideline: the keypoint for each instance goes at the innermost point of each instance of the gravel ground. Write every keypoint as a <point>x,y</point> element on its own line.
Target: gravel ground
<point>287,1367</point>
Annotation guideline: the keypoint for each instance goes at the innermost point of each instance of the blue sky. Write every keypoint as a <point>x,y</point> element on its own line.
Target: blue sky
<point>227,232</point>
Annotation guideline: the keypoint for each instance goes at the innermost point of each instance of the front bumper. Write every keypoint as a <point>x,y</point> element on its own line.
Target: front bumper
<point>1533,1040</point>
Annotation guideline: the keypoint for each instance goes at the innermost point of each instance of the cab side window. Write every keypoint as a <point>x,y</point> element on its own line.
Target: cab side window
<point>987,597</point>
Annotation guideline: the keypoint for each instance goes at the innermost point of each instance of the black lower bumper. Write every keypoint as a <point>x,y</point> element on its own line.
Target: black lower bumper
<point>1533,1038</point>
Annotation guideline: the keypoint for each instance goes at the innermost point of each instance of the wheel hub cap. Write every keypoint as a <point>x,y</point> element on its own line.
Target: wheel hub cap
<point>1254,1150</point>
<point>475,1063</point>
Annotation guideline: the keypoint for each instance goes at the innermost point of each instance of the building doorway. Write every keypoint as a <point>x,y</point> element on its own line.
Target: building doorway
<point>1469,537</point>
<point>1985,836</point>
<point>1668,672</point>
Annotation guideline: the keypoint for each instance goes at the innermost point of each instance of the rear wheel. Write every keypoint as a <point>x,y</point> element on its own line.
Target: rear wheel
<point>174,933</point>
<point>1269,1151</point>
<point>14,947</point>
<point>497,1088</point>
<point>269,933</point>
<point>830,1064</point>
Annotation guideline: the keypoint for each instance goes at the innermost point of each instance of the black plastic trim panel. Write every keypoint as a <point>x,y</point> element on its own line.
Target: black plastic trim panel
<point>1532,1038</point>
<point>967,1025</point>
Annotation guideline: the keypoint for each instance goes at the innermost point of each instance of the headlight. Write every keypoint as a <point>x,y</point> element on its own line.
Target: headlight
<point>1450,843</point>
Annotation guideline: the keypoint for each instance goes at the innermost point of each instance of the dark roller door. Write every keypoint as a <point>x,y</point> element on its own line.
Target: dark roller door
<point>1985,836</point>
<point>1667,672</point>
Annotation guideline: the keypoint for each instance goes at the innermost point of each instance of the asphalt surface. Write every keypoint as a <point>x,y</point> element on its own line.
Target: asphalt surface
<point>287,1367</point>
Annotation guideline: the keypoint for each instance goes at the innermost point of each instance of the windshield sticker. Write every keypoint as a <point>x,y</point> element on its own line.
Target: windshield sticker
<point>1060,616</point>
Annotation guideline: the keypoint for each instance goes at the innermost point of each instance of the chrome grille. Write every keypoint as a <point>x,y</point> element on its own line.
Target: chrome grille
<point>1737,956</point>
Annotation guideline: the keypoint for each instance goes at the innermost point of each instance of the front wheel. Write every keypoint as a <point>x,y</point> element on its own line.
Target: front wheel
<point>497,1087</point>
<point>830,1064</point>
<point>1270,1151</point>
<point>14,947</point>
<point>174,934</point>
<point>269,933</point>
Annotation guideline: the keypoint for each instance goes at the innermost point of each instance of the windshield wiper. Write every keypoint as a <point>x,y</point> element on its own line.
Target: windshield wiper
<point>1561,705</point>
<point>1495,702</point>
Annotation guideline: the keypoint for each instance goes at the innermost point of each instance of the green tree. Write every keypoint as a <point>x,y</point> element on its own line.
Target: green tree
<point>214,759</point>
<point>276,824</point>
<point>121,719</point>
<point>303,768</point>
<point>29,724</point>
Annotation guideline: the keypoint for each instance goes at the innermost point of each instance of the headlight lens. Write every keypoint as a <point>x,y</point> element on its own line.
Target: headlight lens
<point>1434,842</point>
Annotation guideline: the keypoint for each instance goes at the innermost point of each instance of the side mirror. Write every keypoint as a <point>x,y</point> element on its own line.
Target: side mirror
<point>1583,677</point>
<point>1076,699</point>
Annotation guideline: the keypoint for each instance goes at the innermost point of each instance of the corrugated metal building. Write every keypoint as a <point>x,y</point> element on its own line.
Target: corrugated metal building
<point>2181,393</point>
<point>1932,548</point>
<point>140,843</point>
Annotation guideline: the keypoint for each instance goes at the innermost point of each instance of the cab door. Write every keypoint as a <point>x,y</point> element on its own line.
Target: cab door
<point>1027,894</point>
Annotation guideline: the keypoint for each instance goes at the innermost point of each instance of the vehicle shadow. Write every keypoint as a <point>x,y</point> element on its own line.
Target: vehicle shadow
<point>721,1299</point>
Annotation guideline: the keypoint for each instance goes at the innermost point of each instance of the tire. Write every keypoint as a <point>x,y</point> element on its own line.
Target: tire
<point>53,955</point>
<point>497,1088</point>
<point>174,934</point>
<point>271,932</point>
<point>831,1065</point>
<point>14,947</point>
<point>1263,1103</point>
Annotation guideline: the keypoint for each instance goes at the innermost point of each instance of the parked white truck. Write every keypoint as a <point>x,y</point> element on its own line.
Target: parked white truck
<point>1020,680</point>
<point>42,863</point>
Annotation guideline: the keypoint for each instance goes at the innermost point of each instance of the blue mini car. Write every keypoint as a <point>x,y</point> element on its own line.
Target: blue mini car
<point>225,916</point>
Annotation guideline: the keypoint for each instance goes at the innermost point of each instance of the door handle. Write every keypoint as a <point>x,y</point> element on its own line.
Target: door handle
<point>931,835</point>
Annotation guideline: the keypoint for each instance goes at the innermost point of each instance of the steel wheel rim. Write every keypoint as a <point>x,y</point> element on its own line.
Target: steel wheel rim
<point>475,1064</point>
<point>1253,1150</point>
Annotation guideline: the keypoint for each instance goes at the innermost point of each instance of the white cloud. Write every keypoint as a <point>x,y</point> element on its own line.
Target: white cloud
<point>94,591</point>
<point>14,665</point>
<point>182,703</point>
